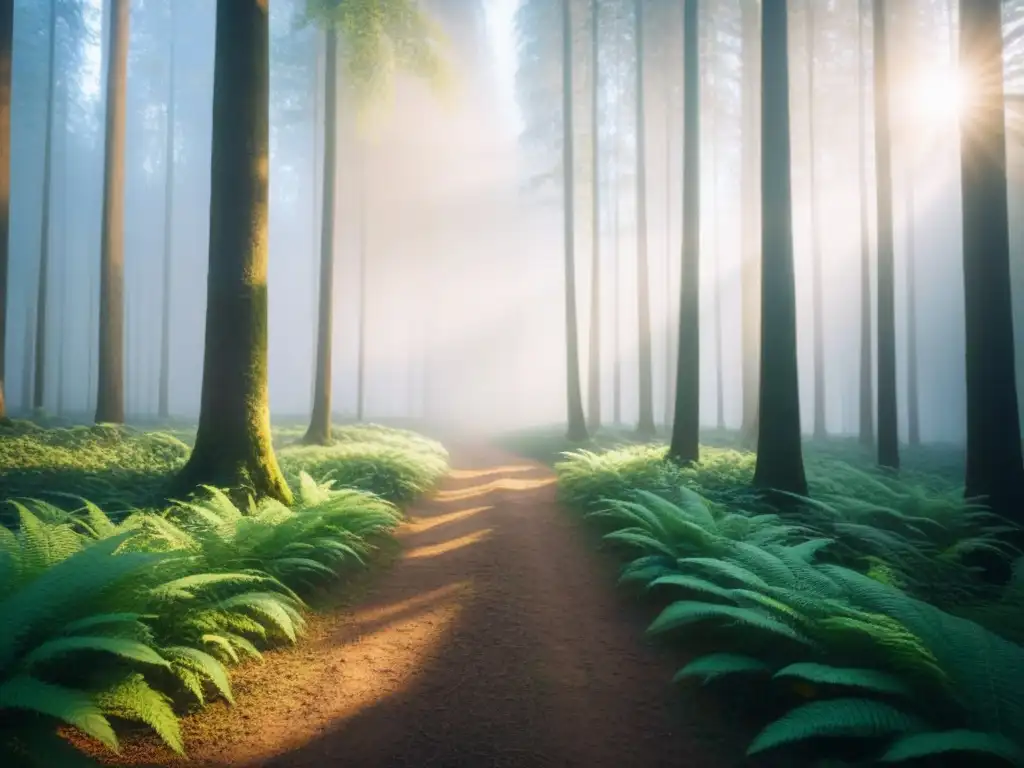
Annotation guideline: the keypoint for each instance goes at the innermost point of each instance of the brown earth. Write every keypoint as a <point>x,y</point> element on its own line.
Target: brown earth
<point>496,639</point>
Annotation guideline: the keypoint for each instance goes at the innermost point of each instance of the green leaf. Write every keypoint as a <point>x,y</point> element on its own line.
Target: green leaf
<point>68,705</point>
<point>716,665</point>
<point>832,718</point>
<point>940,743</point>
<point>117,646</point>
<point>686,612</point>
<point>866,679</point>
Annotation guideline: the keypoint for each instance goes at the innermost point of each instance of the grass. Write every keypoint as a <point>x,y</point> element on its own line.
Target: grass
<point>128,609</point>
<point>858,616</point>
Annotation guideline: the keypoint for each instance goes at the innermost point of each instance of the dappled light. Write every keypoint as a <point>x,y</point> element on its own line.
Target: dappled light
<point>433,550</point>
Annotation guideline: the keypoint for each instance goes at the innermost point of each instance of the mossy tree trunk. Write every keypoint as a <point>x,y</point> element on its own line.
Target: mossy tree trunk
<point>994,463</point>
<point>780,464</point>
<point>817,287</point>
<point>888,425</point>
<point>866,383</point>
<point>110,368</point>
<point>319,431</point>
<point>750,274</point>
<point>233,443</point>
<point>577,430</point>
<point>594,363</point>
<point>43,277</point>
<point>6,49</point>
<point>163,396</point>
<point>685,444</point>
<point>645,424</point>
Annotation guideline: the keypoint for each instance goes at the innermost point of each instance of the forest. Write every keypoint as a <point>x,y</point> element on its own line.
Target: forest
<point>511,383</point>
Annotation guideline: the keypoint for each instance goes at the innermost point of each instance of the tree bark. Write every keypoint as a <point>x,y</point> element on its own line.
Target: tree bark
<point>163,398</point>
<point>780,465</point>
<point>716,290</point>
<point>319,431</point>
<point>233,443</point>
<point>6,51</point>
<point>866,386</point>
<point>684,447</point>
<point>43,285</point>
<point>888,426</point>
<point>645,425</point>
<point>594,363</point>
<point>26,361</point>
<point>994,463</point>
<point>110,371</point>
<point>820,401</point>
<point>750,275</point>
<point>577,430</point>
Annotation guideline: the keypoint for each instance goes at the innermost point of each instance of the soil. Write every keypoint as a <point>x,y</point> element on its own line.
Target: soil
<point>496,639</point>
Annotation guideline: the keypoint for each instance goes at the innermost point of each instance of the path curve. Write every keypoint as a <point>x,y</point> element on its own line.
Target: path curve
<point>497,640</point>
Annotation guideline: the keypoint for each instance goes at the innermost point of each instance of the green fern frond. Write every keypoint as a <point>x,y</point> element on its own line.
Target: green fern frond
<point>685,612</point>
<point>916,746</point>
<point>716,665</point>
<point>202,664</point>
<point>130,650</point>
<point>133,699</point>
<point>694,584</point>
<point>67,705</point>
<point>871,680</point>
<point>832,718</point>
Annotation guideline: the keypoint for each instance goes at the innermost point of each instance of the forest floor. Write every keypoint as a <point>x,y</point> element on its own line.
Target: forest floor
<point>495,638</point>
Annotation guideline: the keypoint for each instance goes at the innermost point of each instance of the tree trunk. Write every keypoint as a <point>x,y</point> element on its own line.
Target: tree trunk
<point>716,290</point>
<point>820,424</point>
<point>751,206</point>
<point>110,372</point>
<point>645,425</point>
<point>319,431</point>
<point>780,464</point>
<point>42,288</point>
<point>316,168</point>
<point>364,233</point>
<point>6,49</point>
<point>670,384</point>
<point>577,431</point>
<point>888,426</point>
<point>233,443</point>
<point>594,364</point>
<point>26,361</point>
<point>913,393</point>
<point>994,464</point>
<point>163,398</point>
<point>866,399</point>
<point>617,372</point>
<point>64,267</point>
<point>684,447</point>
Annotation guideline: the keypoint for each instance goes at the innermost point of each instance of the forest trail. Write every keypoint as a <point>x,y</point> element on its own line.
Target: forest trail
<point>496,640</point>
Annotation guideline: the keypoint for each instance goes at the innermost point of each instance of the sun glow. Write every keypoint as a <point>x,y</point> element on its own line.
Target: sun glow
<point>939,95</point>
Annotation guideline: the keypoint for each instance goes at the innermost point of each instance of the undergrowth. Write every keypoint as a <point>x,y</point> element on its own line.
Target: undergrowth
<point>138,614</point>
<point>858,611</point>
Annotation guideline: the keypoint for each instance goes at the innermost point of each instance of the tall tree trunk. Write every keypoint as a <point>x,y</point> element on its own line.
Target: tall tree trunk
<point>64,267</point>
<point>994,463</point>
<point>110,372</point>
<point>26,361</point>
<point>42,304</point>
<point>163,397</point>
<point>364,234</point>
<point>617,367</point>
<point>6,49</point>
<point>90,386</point>
<point>233,443</point>
<point>820,424</point>
<point>888,426</point>
<point>751,206</point>
<point>594,380</point>
<point>577,430</point>
<point>913,390</point>
<point>716,291</point>
<point>684,447</point>
<point>780,464</point>
<point>670,384</point>
<point>866,386</point>
<point>316,168</point>
<point>645,425</point>
<point>319,431</point>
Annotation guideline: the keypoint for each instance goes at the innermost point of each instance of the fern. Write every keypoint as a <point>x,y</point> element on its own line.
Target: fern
<point>716,665</point>
<point>835,718</point>
<point>916,746</point>
<point>867,680</point>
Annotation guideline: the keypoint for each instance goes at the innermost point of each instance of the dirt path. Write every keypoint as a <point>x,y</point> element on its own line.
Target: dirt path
<point>496,640</point>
